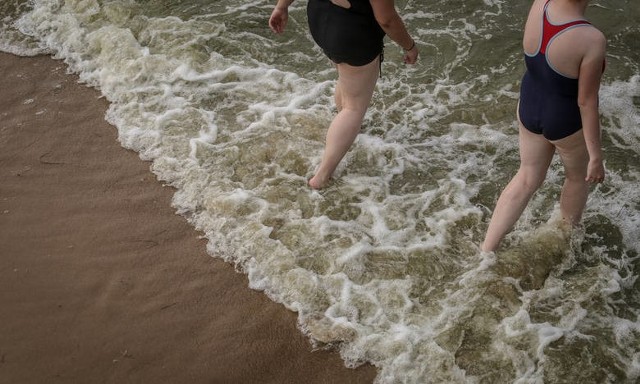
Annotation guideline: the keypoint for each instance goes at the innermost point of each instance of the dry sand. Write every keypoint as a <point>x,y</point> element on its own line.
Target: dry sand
<point>100,280</point>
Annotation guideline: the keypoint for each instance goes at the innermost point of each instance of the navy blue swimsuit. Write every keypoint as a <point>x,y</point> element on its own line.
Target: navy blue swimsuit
<point>548,99</point>
<point>351,36</point>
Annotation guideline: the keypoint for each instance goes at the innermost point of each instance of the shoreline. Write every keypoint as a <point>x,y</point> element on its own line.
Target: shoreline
<point>100,279</point>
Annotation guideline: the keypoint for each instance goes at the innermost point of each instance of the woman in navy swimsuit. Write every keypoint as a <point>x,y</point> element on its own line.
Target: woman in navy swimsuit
<point>350,33</point>
<point>558,110</point>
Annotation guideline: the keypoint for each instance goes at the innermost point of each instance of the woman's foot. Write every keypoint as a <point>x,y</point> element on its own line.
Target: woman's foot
<point>484,249</point>
<point>316,182</point>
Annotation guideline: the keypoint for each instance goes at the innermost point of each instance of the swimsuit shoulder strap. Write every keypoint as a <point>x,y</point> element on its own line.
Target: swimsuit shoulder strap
<point>549,30</point>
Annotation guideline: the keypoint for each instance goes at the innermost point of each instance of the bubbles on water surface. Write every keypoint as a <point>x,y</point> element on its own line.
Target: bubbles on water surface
<point>384,263</point>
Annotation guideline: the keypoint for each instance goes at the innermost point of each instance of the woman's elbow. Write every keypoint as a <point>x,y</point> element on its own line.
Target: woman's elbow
<point>386,22</point>
<point>588,102</point>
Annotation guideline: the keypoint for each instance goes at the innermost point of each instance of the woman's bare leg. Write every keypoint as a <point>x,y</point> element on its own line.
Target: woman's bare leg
<point>353,95</point>
<point>536,154</point>
<point>337,97</point>
<point>575,191</point>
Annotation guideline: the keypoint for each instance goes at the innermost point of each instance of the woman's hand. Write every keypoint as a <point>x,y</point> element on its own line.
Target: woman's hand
<point>595,172</point>
<point>278,19</point>
<point>411,56</point>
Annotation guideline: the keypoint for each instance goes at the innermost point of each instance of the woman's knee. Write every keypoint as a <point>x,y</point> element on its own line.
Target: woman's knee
<point>355,102</point>
<point>576,179</point>
<point>575,165</point>
<point>530,180</point>
<point>354,107</point>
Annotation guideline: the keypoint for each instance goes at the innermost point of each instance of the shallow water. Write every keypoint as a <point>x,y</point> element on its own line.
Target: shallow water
<point>384,263</point>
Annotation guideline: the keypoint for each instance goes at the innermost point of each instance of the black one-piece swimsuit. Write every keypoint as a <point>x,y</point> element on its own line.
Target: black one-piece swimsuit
<point>351,36</point>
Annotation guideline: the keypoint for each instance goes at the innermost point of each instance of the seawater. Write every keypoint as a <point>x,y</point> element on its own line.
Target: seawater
<point>384,264</point>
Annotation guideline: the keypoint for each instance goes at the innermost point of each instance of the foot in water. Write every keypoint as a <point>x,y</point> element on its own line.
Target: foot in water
<point>316,182</point>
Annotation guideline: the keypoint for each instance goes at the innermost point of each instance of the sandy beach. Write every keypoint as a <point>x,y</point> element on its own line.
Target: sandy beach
<point>100,280</point>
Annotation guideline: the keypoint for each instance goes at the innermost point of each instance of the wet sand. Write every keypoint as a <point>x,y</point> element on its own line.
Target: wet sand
<point>100,280</point>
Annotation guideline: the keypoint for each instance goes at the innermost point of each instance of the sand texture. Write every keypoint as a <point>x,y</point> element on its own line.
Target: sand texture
<point>100,280</point>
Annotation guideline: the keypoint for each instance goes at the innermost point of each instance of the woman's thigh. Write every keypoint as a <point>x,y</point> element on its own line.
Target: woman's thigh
<point>536,154</point>
<point>574,155</point>
<point>356,84</point>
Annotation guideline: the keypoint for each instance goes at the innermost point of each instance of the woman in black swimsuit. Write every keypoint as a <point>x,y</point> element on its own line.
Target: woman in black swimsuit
<point>350,32</point>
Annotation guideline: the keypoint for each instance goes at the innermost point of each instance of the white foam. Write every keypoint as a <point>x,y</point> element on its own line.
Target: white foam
<point>384,261</point>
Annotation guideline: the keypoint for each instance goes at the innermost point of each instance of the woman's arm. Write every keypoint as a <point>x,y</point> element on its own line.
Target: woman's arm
<point>588,87</point>
<point>392,24</point>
